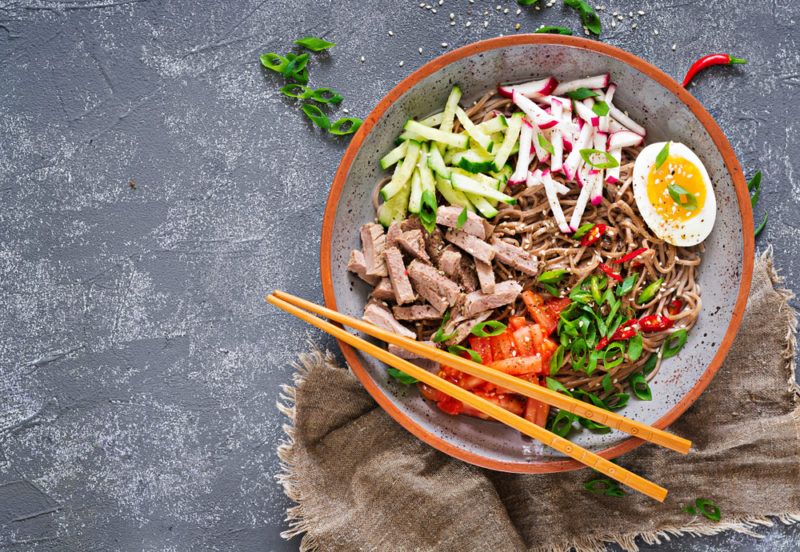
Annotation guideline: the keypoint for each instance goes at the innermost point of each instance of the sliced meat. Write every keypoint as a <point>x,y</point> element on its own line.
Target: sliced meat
<point>413,243</point>
<point>463,329</point>
<point>448,216</point>
<point>357,265</point>
<point>411,223</point>
<point>383,291</point>
<point>515,257</point>
<point>422,362</point>
<point>373,242</point>
<point>401,285</point>
<point>435,244</point>
<point>466,274</point>
<point>472,245</point>
<point>450,261</point>
<point>485,276</point>
<point>380,316</point>
<point>416,312</point>
<point>435,288</point>
<point>504,293</point>
<point>393,233</point>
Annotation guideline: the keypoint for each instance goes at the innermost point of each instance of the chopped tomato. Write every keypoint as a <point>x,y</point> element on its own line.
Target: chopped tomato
<point>502,346</point>
<point>430,393</point>
<point>519,365</point>
<point>532,299</point>
<point>542,412</point>
<point>524,341</point>
<point>482,346</point>
<point>516,322</point>
<point>540,313</point>
<point>558,305</point>
<point>531,408</point>
<point>537,335</point>
<point>513,403</point>
<point>547,349</point>
<point>472,382</point>
<point>475,413</point>
<point>450,406</point>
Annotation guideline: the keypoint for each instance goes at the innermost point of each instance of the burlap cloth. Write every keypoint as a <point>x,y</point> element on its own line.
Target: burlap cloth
<point>361,482</point>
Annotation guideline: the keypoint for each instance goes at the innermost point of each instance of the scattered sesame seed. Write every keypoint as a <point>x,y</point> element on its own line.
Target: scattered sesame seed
<point>433,10</point>
<point>441,2</point>
<point>501,34</point>
<point>444,44</point>
<point>640,12</point>
<point>471,1</point>
<point>452,23</point>
<point>420,50</point>
<point>346,110</point>
<point>613,14</point>
<point>468,23</point>
<point>621,17</point>
<point>634,26</point>
<point>630,14</point>
<point>427,6</point>
<point>613,23</point>
<point>517,26</point>
<point>655,32</point>
<point>452,16</point>
<point>485,23</point>
<point>498,8</point>
<point>586,31</point>
<point>422,5</point>
<point>362,59</point>
<point>391,33</point>
<point>402,63</point>
<point>519,11</point>
<point>486,12</point>
<point>536,8</point>
<point>599,8</point>
<point>505,10</point>
<point>674,47</point>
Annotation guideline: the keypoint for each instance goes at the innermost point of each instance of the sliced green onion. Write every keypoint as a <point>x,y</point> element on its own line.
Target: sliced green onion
<point>552,276</point>
<point>562,423</point>
<point>635,346</point>
<point>650,364</point>
<point>761,226</point>
<point>682,196</point>
<point>314,44</point>
<point>593,426</point>
<point>316,115</point>
<point>326,96</point>
<point>552,29</point>
<point>754,184</point>
<point>594,356</point>
<point>545,143</point>
<point>618,401</point>
<point>297,91</point>
<point>402,377</point>
<point>627,285</point>
<point>458,349</point>
<point>610,163</point>
<point>296,65</point>
<point>708,509</point>
<point>601,109</point>
<point>581,94</point>
<point>462,218</point>
<point>526,2</point>
<point>604,486</point>
<point>555,385</point>
<point>439,336</point>
<point>662,155</point>
<point>594,284</point>
<point>609,360</point>
<point>606,383</point>
<point>345,125</point>
<point>674,343</point>
<point>427,212</point>
<point>640,387</point>
<point>581,231</point>
<point>557,360</point>
<point>589,17</point>
<point>552,290</point>
<point>496,328</point>
<point>649,292</point>
<point>612,312</point>
<point>274,62</point>
<point>580,353</point>
<point>580,296</point>
<point>691,510</point>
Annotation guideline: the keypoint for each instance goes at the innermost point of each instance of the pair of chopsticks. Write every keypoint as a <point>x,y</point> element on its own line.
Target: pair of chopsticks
<point>295,305</point>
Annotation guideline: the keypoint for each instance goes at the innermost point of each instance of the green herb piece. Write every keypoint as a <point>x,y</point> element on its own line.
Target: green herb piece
<point>557,360</point>
<point>754,184</point>
<point>462,218</point>
<point>761,226</point>
<point>314,44</point>
<point>601,109</point>
<point>594,286</point>
<point>552,276</point>
<point>674,343</point>
<point>640,387</point>
<point>316,115</point>
<point>553,29</point>
<point>555,385</point>
<point>496,328</point>
<point>297,91</point>
<point>562,423</point>
<point>345,125</point>
<point>608,386</point>
<point>691,510</point>
<point>635,346</point>
<point>662,156</point>
<point>613,355</point>
<point>326,96</point>
<point>589,17</point>
<point>604,486</point>
<point>580,354</point>
<point>581,94</point>
<point>439,336</point>
<point>618,401</point>
<point>610,162</point>
<point>526,2</point>
<point>274,62</point>
<point>580,295</point>
<point>627,285</point>
<point>682,196</point>
<point>295,66</point>
<point>650,364</point>
<point>708,509</point>
<point>551,289</point>
<point>545,143</point>
<point>402,377</point>
<point>649,292</point>
<point>427,212</point>
<point>458,349</point>
<point>581,231</point>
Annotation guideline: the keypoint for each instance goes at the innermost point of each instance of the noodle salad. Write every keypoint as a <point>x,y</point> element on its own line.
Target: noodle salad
<point>536,233</point>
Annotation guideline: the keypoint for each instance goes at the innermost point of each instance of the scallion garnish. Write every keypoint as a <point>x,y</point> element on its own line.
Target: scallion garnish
<point>462,218</point>
<point>649,292</point>
<point>553,29</point>
<point>617,401</point>
<point>608,386</point>
<point>552,276</point>
<point>294,69</point>
<point>762,225</point>
<point>317,116</point>
<point>326,96</point>
<point>662,156</point>
<point>674,343</point>
<point>314,44</point>
<point>581,94</point>
<point>297,91</point>
<point>545,143</point>
<point>610,162</point>
<point>555,385</point>
<point>589,17</point>
<point>427,212</point>
<point>402,377</point>
<point>604,486</point>
<point>706,507</point>
<point>754,184</point>
<point>562,423</point>
<point>650,364</point>
<point>526,2</point>
<point>439,336</point>
<point>495,328</point>
<point>345,125</point>
<point>613,355</point>
<point>274,62</point>
<point>557,360</point>
<point>682,196</point>
<point>640,387</point>
<point>635,347</point>
<point>627,285</point>
<point>601,109</point>
<point>458,349</point>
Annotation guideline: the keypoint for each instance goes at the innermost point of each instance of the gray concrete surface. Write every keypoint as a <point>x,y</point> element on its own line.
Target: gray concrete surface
<point>154,185</point>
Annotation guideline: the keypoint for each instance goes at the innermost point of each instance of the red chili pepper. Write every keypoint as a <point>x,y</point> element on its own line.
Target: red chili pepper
<point>675,307</point>
<point>630,256</point>
<point>708,61</point>
<point>654,323</point>
<point>626,331</point>
<point>611,274</point>
<point>602,343</point>
<point>594,234</point>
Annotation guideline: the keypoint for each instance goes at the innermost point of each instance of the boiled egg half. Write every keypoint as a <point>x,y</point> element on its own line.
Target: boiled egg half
<point>674,194</point>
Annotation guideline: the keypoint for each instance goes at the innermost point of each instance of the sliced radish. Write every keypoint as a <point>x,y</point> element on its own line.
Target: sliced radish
<point>574,158</point>
<point>612,175</point>
<point>580,207</point>
<point>557,138</point>
<point>586,114</point>
<point>626,121</point>
<point>624,139</point>
<point>599,81</point>
<point>609,95</point>
<point>614,126</point>
<point>520,174</point>
<point>535,113</point>
<point>541,154</point>
<point>555,206</point>
<point>534,178</point>
<point>540,87</point>
<point>600,140</point>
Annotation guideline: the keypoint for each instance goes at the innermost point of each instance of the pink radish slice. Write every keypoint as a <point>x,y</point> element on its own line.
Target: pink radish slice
<point>600,140</point>
<point>535,113</point>
<point>520,174</point>
<point>574,158</point>
<point>557,139</point>
<point>540,87</point>
<point>555,206</point>
<point>624,139</point>
<point>626,121</point>
<point>586,114</point>
<point>612,175</point>
<point>535,179</point>
<point>599,81</point>
<point>541,154</point>
<point>580,207</point>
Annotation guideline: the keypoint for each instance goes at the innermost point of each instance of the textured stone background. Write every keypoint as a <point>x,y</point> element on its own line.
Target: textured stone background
<point>139,366</point>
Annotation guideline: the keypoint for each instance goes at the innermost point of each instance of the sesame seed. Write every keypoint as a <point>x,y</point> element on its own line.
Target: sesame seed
<point>402,63</point>
<point>362,59</point>
<point>420,50</point>
<point>621,17</point>
<point>427,6</point>
<point>485,24</point>
<point>444,44</point>
<point>441,2</point>
<point>599,8</point>
<point>486,12</point>
<point>674,47</point>
<point>630,14</point>
<point>505,10</point>
<point>613,23</point>
<point>452,16</point>
<point>422,5</point>
<point>634,26</point>
<point>586,31</point>
<point>433,10</point>
<point>519,11</point>
<point>468,23</point>
<point>613,14</point>
<point>498,8</point>
<point>640,12</point>
<point>536,8</point>
<point>655,32</point>
<point>346,110</point>
<point>452,23</point>
<point>517,26</point>
<point>391,33</point>
<point>471,1</point>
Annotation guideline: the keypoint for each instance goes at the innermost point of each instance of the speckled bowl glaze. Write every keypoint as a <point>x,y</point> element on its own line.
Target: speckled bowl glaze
<point>653,99</point>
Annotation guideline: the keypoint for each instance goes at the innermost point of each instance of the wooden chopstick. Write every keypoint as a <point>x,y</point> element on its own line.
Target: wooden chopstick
<point>492,410</point>
<point>518,385</point>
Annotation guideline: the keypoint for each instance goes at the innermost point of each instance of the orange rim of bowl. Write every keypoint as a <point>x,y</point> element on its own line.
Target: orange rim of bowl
<point>642,66</point>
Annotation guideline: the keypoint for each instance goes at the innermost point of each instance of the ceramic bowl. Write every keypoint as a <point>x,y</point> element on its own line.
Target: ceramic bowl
<point>654,100</point>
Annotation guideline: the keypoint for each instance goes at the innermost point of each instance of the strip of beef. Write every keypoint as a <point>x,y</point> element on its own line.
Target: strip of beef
<point>413,243</point>
<point>434,287</point>
<point>373,242</point>
<point>448,216</point>
<point>472,245</point>
<point>485,276</point>
<point>467,275</point>
<point>422,362</point>
<point>377,314</point>
<point>401,285</point>
<point>383,291</point>
<point>504,293</point>
<point>450,261</point>
<point>411,223</point>
<point>416,312</point>
<point>357,265</point>
<point>392,234</point>
<point>515,257</point>
<point>462,330</point>
<point>435,245</point>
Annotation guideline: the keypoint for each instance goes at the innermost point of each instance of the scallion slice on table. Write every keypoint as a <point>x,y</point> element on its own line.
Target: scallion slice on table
<point>553,29</point>
<point>345,125</point>
<point>314,44</point>
<point>317,116</point>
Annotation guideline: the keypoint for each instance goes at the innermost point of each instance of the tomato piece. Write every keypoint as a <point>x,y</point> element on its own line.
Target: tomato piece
<point>430,393</point>
<point>519,365</point>
<point>558,305</point>
<point>482,346</point>
<point>531,410</point>
<point>513,403</point>
<point>502,346</point>
<point>516,322</point>
<point>675,307</point>
<point>469,411</point>
<point>655,323</point>
<point>451,406</point>
<point>524,341</point>
<point>545,318</point>
<point>532,299</point>
<point>546,350</point>
<point>538,336</point>
<point>542,412</point>
<point>472,382</point>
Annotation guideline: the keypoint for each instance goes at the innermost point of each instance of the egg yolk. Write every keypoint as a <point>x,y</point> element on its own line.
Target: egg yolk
<point>678,175</point>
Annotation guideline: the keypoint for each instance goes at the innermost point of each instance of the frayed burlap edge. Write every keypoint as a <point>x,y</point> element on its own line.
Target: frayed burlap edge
<point>302,522</point>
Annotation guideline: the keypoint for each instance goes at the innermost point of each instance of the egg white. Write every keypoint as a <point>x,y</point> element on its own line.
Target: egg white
<point>681,233</point>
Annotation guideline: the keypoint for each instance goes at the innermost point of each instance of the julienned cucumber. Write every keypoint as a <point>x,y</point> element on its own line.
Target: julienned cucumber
<point>435,135</point>
<point>483,140</point>
<point>403,172</point>
<point>485,208</point>
<point>415,199</point>
<point>473,161</point>
<point>512,135</point>
<point>478,188</point>
<point>436,163</point>
<point>449,112</point>
<point>396,208</point>
<point>394,156</point>
<point>453,196</point>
